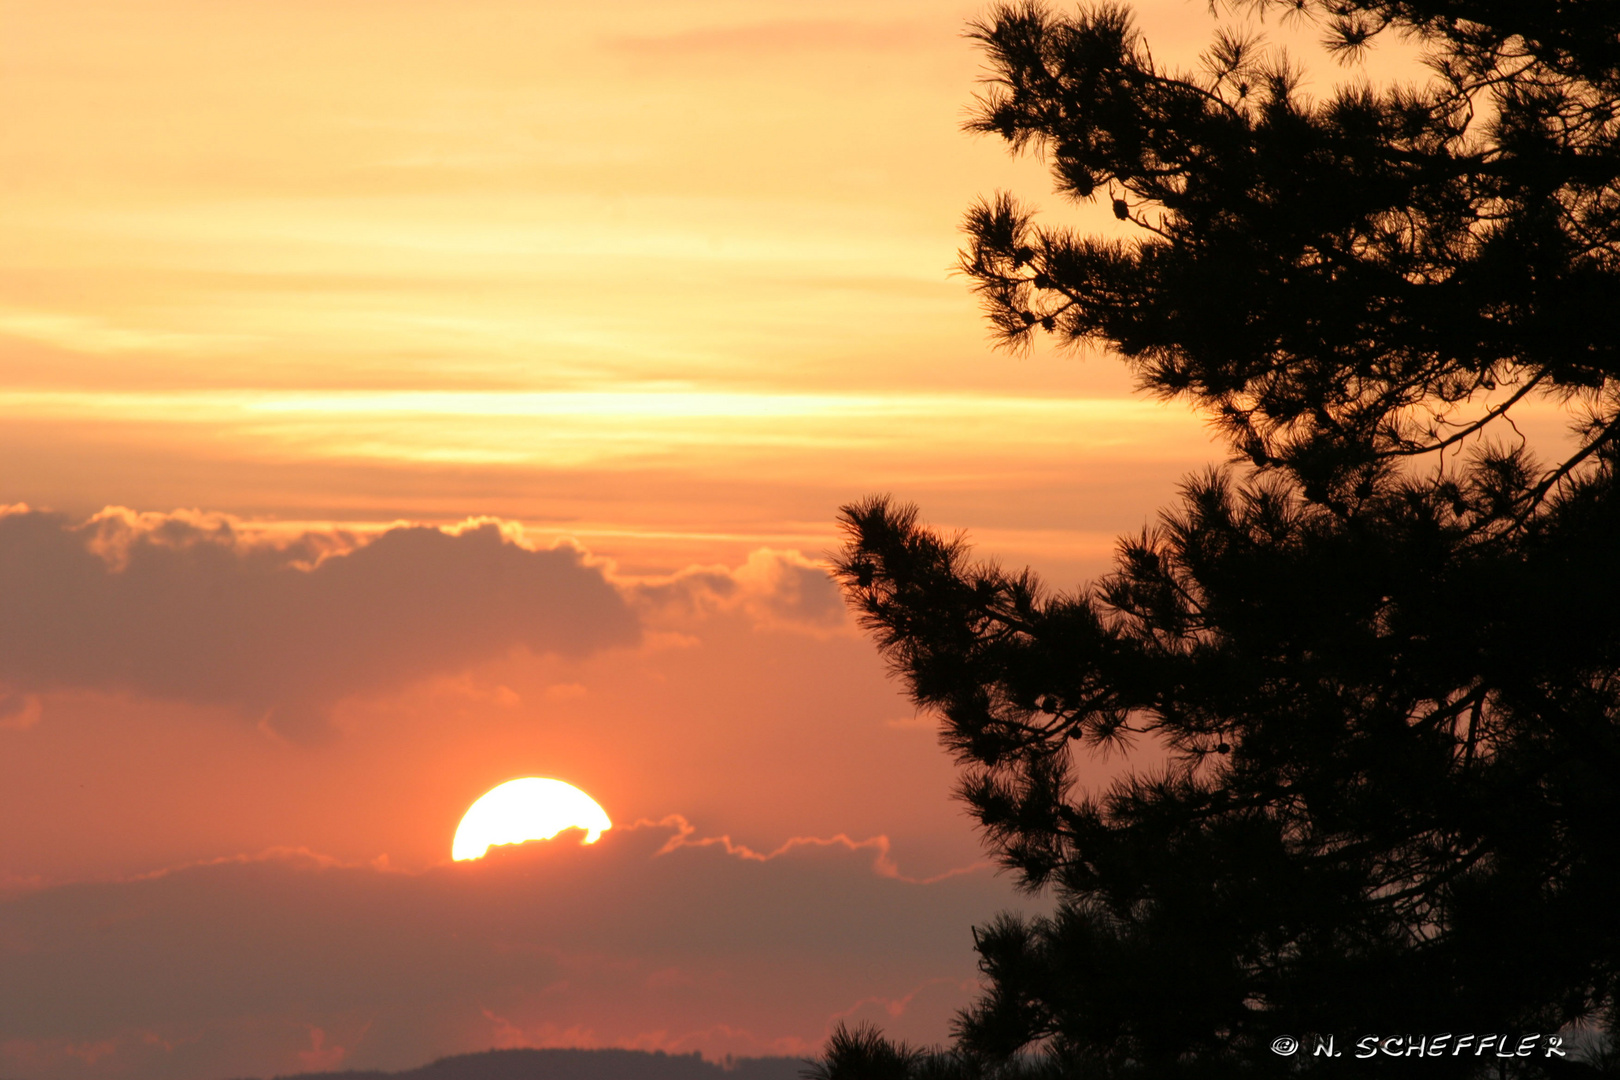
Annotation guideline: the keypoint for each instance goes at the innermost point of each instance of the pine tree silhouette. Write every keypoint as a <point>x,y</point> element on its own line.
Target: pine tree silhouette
<point>1381,645</point>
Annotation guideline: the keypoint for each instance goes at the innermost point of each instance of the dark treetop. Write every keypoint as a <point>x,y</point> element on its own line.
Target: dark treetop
<point>1333,281</point>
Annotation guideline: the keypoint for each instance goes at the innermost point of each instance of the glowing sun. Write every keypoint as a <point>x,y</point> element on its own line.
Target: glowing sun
<point>526,809</point>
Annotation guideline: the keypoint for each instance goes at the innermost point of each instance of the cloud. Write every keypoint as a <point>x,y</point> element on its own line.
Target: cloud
<point>19,711</point>
<point>875,847</point>
<point>202,608</point>
<point>279,626</point>
<point>648,939</point>
<point>778,589</point>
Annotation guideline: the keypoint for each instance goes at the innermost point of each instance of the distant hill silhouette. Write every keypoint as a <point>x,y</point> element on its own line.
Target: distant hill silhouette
<point>579,1065</point>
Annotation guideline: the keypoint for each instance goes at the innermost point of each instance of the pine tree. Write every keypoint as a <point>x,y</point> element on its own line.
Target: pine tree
<point>1377,654</point>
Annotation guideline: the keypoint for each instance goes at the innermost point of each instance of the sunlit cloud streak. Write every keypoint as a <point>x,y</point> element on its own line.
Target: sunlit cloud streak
<point>607,427</point>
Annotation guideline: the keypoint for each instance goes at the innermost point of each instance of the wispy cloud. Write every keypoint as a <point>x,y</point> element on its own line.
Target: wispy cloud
<point>618,428</point>
<point>775,588</point>
<point>776,37</point>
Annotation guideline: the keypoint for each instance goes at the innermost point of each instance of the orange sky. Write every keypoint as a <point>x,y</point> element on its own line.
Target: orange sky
<point>669,278</point>
<point>663,282</point>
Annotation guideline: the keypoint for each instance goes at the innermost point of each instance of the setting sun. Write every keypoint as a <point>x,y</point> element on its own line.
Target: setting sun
<point>528,809</point>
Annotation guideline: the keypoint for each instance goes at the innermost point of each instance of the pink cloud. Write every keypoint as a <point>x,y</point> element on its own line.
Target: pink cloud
<point>877,847</point>
<point>319,1056</point>
<point>200,608</point>
<point>279,626</point>
<point>773,589</point>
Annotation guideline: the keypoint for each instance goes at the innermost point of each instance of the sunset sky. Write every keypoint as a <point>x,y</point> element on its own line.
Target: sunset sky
<point>396,399</point>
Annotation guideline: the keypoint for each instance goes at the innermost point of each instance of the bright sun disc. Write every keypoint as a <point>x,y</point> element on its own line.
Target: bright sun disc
<point>526,809</point>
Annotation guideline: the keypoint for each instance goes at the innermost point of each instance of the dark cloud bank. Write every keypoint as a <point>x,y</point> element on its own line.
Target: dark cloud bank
<point>288,961</point>
<point>201,608</point>
<point>583,1065</point>
<point>187,607</point>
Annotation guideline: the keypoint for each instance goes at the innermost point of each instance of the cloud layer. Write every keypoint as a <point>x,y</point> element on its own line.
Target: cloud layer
<point>779,589</point>
<point>648,939</point>
<point>192,607</point>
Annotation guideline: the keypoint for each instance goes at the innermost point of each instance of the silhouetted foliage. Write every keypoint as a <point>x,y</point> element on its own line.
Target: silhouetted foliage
<point>864,1052</point>
<point>1334,281</point>
<point>1377,656</point>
